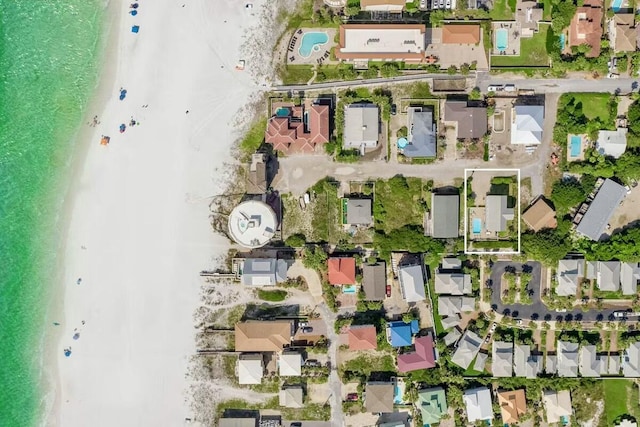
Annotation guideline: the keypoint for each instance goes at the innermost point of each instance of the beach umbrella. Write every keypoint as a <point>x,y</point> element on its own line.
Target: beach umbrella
<point>123,127</point>
<point>134,6</point>
<point>123,94</point>
<point>135,29</point>
<point>133,12</point>
<point>76,336</point>
<point>67,352</point>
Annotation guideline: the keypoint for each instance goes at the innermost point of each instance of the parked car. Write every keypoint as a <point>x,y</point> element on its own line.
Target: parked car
<point>394,107</point>
<point>388,290</point>
<point>613,76</point>
<point>518,321</point>
<point>494,88</point>
<point>487,339</point>
<point>352,397</point>
<point>510,88</point>
<point>621,314</point>
<point>493,327</point>
<point>626,187</point>
<point>312,363</point>
<point>423,4</point>
<point>307,329</point>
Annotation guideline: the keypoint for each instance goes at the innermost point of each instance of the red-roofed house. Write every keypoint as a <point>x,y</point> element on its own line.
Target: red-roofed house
<point>423,358</point>
<point>342,271</point>
<point>287,131</point>
<point>586,27</point>
<point>362,337</point>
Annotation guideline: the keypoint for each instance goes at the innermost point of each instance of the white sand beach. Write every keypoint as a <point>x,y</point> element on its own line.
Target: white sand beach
<point>139,230</point>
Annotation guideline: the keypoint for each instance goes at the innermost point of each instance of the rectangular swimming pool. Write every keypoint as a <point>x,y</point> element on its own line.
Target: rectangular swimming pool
<point>349,289</point>
<point>616,5</point>
<point>576,145</point>
<point>563,40</point>
<point>477,225</point>
<point>502,39</point>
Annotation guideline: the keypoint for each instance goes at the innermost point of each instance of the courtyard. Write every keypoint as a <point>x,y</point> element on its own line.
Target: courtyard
<point>506,38</point>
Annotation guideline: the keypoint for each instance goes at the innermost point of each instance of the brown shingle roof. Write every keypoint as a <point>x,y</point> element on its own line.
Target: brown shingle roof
<point>263,336</point>
<point>586,28</point>
<point>512,405</point>
<point>461,34</point>
<point>379,397</point>
<point>540,215</point>
<point>362,337</point>
<point>626,35</point>
<point>472,121</point>
<point>287,134</point>
<point>374,281</point>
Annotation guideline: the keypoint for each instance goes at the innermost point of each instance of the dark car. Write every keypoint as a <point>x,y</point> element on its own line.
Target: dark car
<point>306,329</point>
<point>352,397</point>
<point>388,290</point>
<point>394,109</point>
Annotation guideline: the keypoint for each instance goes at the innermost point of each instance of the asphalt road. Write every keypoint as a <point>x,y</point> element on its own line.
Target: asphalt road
<point>368,82</point>
<point>537,310</point>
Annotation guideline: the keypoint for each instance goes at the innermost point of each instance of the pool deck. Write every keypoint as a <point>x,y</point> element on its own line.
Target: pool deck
<point>476,212</point>
<point>316,57</point>
<point>583,147</point>
<point>514,33</point>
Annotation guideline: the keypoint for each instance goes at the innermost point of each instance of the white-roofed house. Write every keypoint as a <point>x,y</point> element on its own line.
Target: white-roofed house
<point>524,363</point>
<point>478,404</point>
<point>450,305</point>
<point>567,359</point>
<point>502,359</point>
<point>568,274</point>
<point>629,277</point>
<point>591,364</point>
<point>250,368</point>
<point>608,275</point>
<point>292,396</point>
<point>453,283</point>
<point>612,143</point>
<point>468,348</point>
<point>497,213</point>
<point>631,361</point>
<point>557,405</point>
<point>527,123</point>
<point>361,126</point>
<point>412,283</point>
<point>290,364</point>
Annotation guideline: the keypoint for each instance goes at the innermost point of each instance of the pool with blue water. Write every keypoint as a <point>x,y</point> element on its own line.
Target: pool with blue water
<point>311,42</point>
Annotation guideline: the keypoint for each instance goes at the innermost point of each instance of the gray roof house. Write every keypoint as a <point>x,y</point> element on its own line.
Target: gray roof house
<point>361,126</point>
<point>238,422</point>
<point>527,124</point>
<point>502,359</point>
<point>359,212</point>
<point>551,364</point>
<point>629,277</point>
<point>594,221</point>
<point>263,271</point>
<point>452,337</point>
<point>412,283</point>
<point>448,306</point>
<point>612,143</point>
<point>374,281</point>
<point>292,396</point>
<point>471,121</point>
<point>558,405</point>
<point>450,321</point>
<point>468,348</point>
<point>421,133</point>
<point>497,213</point>
<point>567,359</point>
<point>569,273</point>
<point>608,275</point>
<point>379,396</point>
<point>481,361</point>
<point>451,264</point>
<point>631,361</point>
<point>525,364</point>
<point>453,283</point>
<point>591,270</point>
<point>591,364</point>
<point>613,364</point>
<point>445,215</point>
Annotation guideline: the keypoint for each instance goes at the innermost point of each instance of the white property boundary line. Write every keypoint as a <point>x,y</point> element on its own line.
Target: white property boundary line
<point>466,213</point>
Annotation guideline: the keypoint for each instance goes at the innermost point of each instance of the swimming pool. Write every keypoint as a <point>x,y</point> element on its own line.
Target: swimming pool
<point>616,5</point>
<point>402,142</point>
<point>576,145</point>
<point>311,42</point>
<point>477,225</point>
<point>562,41</point>
<point>282,112</point>
<point>502,39</point>
<point>349,289</point>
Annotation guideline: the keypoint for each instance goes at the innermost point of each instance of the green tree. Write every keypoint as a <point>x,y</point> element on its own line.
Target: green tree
<point>548,246</point>
<point>561,14</point>
<point>389,69</point>
<point>452,69</point>
<point>565,194</point>
<point>296,240</point>
<point>464,69</point>
<point>475,94</point>
<point>315,258</point>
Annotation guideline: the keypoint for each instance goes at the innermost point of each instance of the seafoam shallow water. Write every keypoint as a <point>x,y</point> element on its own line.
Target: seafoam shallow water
<point>49,51</point>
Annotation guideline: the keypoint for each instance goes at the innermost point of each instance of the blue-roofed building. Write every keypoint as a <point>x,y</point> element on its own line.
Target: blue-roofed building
<point>400,334</point>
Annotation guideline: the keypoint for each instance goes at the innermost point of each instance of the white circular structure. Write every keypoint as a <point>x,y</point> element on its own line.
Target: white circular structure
<point>252,224</point>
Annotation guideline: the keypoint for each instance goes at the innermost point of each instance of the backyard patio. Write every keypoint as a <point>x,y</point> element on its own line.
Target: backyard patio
<point>506,38</point>
<point>311,46</point>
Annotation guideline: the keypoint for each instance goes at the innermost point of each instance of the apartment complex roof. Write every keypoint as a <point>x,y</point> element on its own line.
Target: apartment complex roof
<point>527,124</point>
<point>342,271</point>
<point>460,34</point>
<point>379,397</point>
<point>359,212</point>
<point>399,42</point>
<point>586,28</point>
<point>445,212</point>
<point>595,220</point>
<point>478,403</point>
<point>362,337</point>
<point>497,213</point>
<point>412,283</point>
<point>472,121</point>
<point>254,335</point>
<point>502,359</point>
<point>361,123</point>
<point>424,356</point>
<point>540,215</point>
<point>626,35</point>
<point>558,405</point>
<point>263,271</point>
<point>512,405</point>
<point>374,281</point>
<point>289,134</point>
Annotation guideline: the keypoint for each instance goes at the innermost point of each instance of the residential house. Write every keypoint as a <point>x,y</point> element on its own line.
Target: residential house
<point>361,126</point>
<point>290,364</point>
<point>424,356</point>
<point>569,274</point>
<point>608,275</point>
<point>293,133</point>
<point>449,306</point>
<point>381,42</point>
<point>625,32</point>
<point>528,14</point>
<point>391,6</point>
<point>551,364</point>
<point>502,359</point>
<point>586,27</point>
<point>468,348</point>
<point>263,271</point>
<point>257,178</point>
<point>524,363</point>
<point>466,34</point>
<point>497,213</point>
<point>527,123</point>
<point>614,364</point>
<point>540,215</point>
<point>591,364</point>
<point>412,283</point>
<point>567,359</point>
<point>629,277</point>
<point>374,281</point>
<point>433,405</point>
<point>250,421</point>
<point>421,133</point>
<point>445,215</point>
<point>512,406</point>
<point>378,397</point>
<point>557,405</point>
<point>267,336</point>
<point>612,143</point>
<point>450,264</point>
<point>400,333</point>
<point>631,361</point>
<point>250,368</point>
<point>453,283</point>
<point>359,212</point>
<point>481,361</point>
<point>452,337</point>
<point>471,121</point>
<point>342,271</point>
<point>362,337</point>
<point>606,201</point>
<point>478,404</point>
<point>450,321</point>
<point>292,396</point>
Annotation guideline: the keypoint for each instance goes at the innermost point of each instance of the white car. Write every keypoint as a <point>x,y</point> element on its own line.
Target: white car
<point>613,76</point>
<point>509,88</point>
<point>494,88</point>
<point>493,327</point>
<point>626,187</point>
<point>423,4</point>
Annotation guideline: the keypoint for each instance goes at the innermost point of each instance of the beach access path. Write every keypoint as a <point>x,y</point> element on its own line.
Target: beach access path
<point>139,229</point>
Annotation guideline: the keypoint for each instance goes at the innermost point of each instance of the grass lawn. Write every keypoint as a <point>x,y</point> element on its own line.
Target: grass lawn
<point>398,202</point>
<point>501,11</point>
<point>292,74</point>
<point>594,104</point>
<point>366,364</point>
<point>326,222</point>
<point>546,14</point>
<point>615,398</point>
<point>254,137</point>
<point>274,295</point>
<point>533,52</point>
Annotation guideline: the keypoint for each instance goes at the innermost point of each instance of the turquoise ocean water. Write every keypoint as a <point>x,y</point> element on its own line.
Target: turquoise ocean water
<point>49,57</point>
